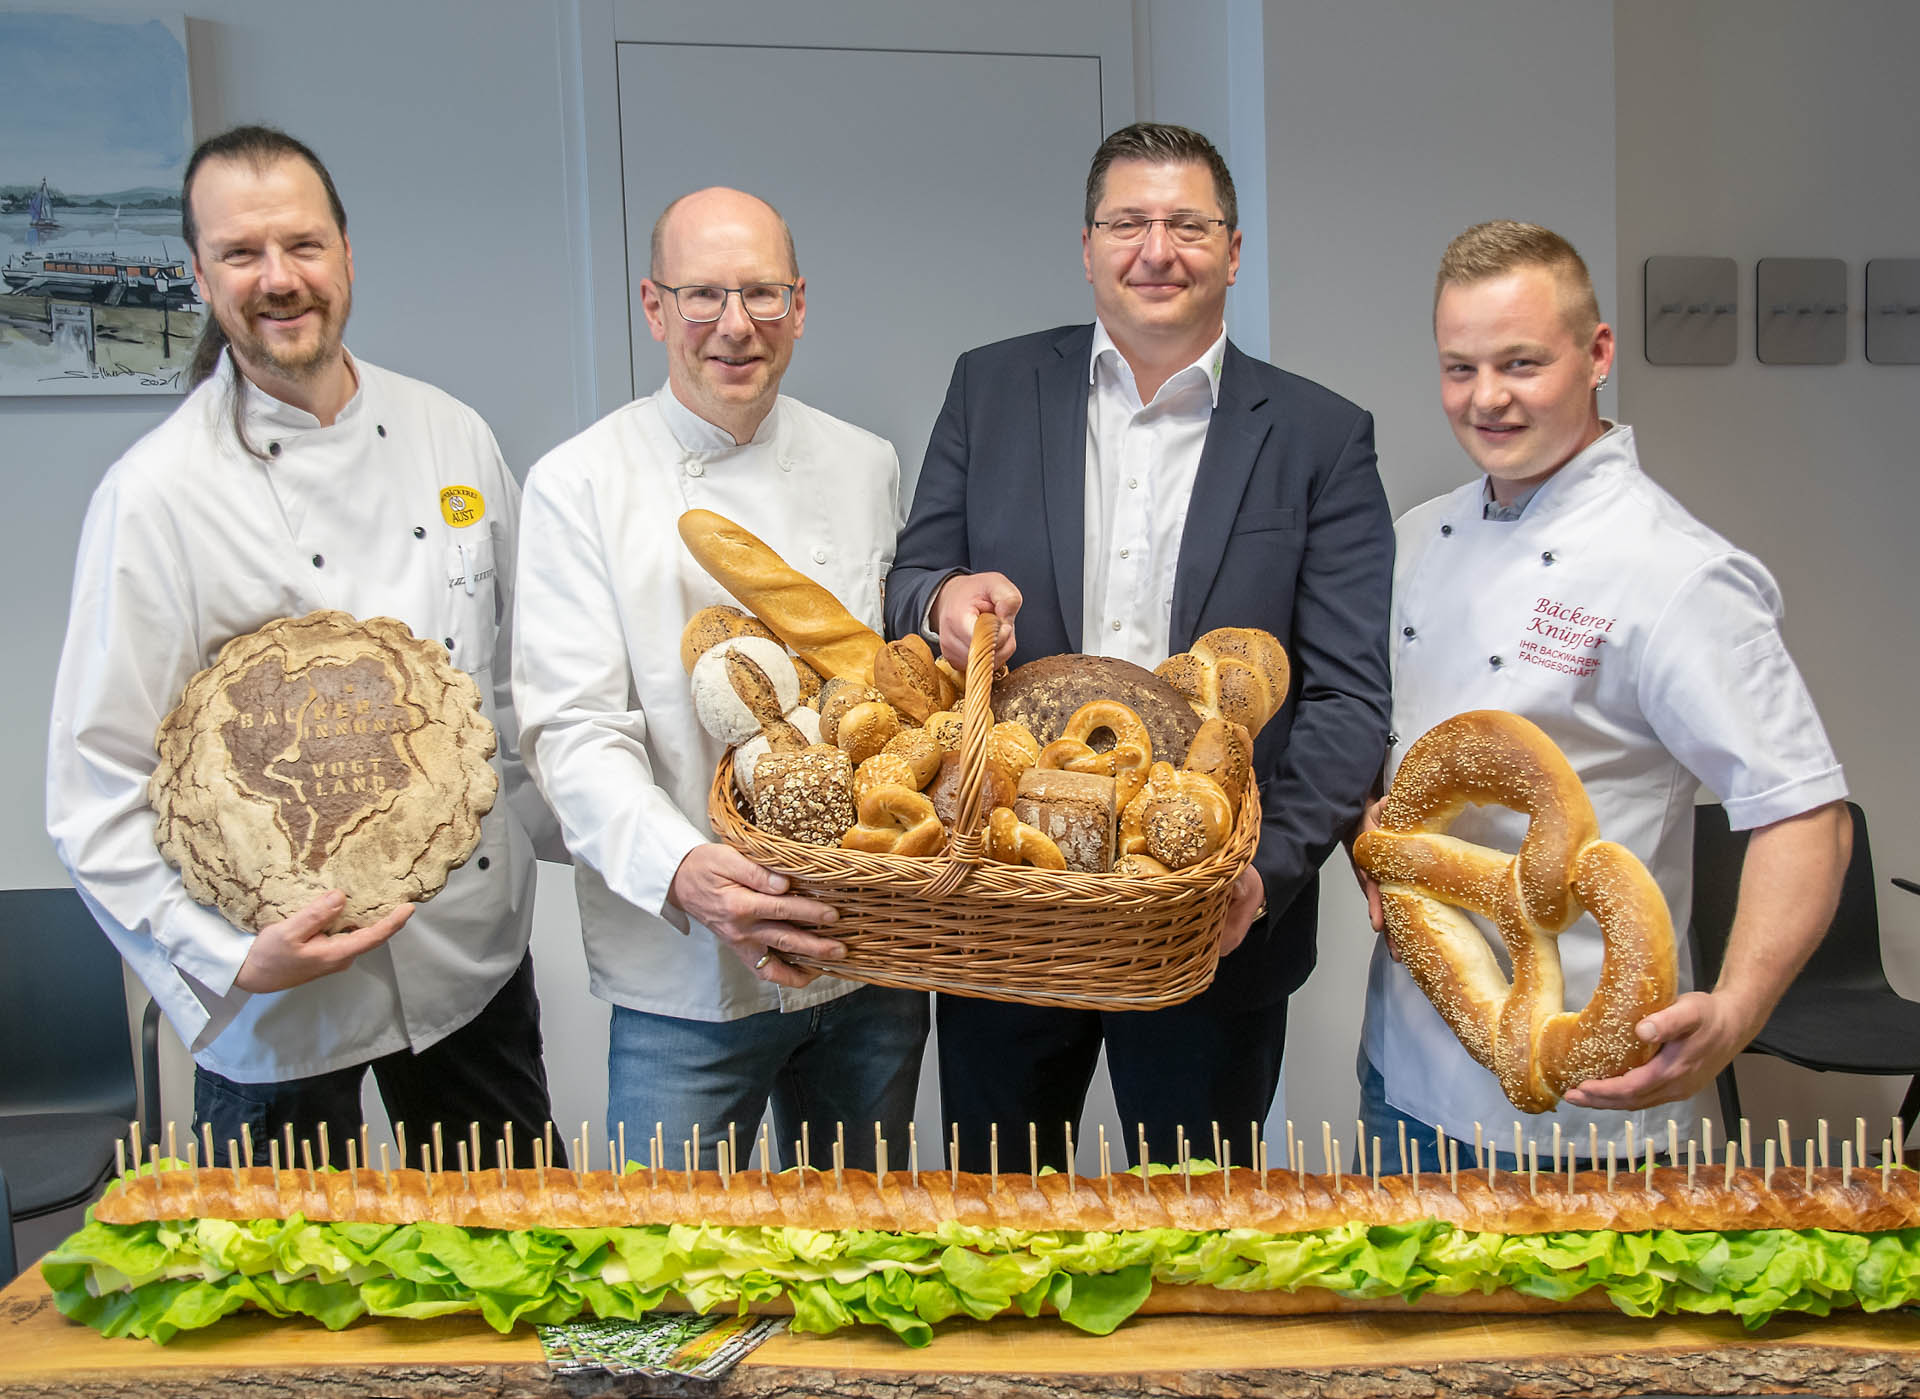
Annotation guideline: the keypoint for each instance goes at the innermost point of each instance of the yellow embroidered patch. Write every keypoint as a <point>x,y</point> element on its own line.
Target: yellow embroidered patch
<point>462,505</point>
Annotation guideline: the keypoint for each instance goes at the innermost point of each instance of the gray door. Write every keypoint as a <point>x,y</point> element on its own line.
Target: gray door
<point>934,199</point>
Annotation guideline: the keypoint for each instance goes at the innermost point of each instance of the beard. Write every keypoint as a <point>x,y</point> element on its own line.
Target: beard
<point>295,364</point>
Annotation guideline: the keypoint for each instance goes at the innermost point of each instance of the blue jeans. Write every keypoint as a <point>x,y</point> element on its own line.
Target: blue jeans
<point>852,1062</point>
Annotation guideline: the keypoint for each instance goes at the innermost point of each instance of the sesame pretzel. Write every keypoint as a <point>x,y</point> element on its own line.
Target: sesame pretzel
<point>1520,1029</point>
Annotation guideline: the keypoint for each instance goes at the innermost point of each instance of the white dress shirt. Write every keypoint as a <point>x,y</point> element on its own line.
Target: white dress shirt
<point>611,735</point>
<point>1141,464</point>
<point>190,542</point>
<point>1648,648</point>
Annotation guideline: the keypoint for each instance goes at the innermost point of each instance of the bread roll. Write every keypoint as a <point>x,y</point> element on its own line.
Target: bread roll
<point>722,710</point>
<point>710,626</point>
<point>809,619</point>
<point>1045,694</point>
<point>904,672</point>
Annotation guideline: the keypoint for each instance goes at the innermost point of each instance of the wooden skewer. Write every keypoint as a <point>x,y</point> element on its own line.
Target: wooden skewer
<point>1610,1163</point>
<point>806,1147</point>
<point>1556,1148</point>
<point>399,1145</point>
<point>1646,1180</point>
<point>1253,1146</point>
<point>1263,1166</point>
<point>1479,1146</point>
<point>724,1152</point>
<point>1493,1159</point>
<point>1673,1142</point>
<point>993,1157</point>
<point>839,1152</point>
<point>1295,1163</point>
<point>353,1159</point>
<point>1333,1154</point>
<point>1360,1143</point>
<point>173,1150</point>
<point>695,1143</point>
<point>1519,1156</point>
<point>386,1169</point>
<point>1033,1154</point>
<point>306,1154</point>
<point>1402,1125</point>
<point>1186,1160</point>
<point>1706,1140</point>
<point>1886,1163</point>
<point>879,1157</point>
<point>1533,1169</point>
<point>1766,1178</point>
<point>273,1162</point>
<point>1226,1170</point>
<point>133,1131</point>
<point>1746,1143</point>
<point>1069,1134</point>
<point>1106,1163</point>
<point>1824,1159</point>
<point>913,1155</point>
<point>1786,1146</point>
<point>1416,1158</point>
<point>206,1144</point>
<point>1217,1153</point>
<point>1690,1164</point>
<point>953,1156</point>
<point>1326,1144</point>
<point>1453,1164</point>
<point>426,1167</point>
<point>1376,1163</point>
<point>546,1149</point>
<point>1593,1144</point>
<point>1440,1148</point>
<point>686,1160</point>
<point>1733,1161</point>
<point>365,1155</point>
<point>1899,1137</point>
<point>193,1163</point>
<point>119,1156</point>
<point>1633,1157</point>
<point>585,1163</point>
<point>766,1157</point>
<point>1809,1156</point>
<point>1846,1163</point>
<point>1141,1128</point>
<point>466,1182</point>
<point>1860,1141</point>
<point>439,1146</point>
<point>621,1138</point>
<point>1571,1159</point>
<point>473,1144</point>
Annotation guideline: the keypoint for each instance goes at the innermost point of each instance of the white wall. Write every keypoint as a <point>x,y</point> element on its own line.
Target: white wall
<point>444,136</point>
<point>1757,128</point>
<point>1391,126</point>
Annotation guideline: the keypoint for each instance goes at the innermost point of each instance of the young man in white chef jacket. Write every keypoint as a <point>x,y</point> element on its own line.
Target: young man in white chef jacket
<point>1565,586</point>
<point>686,937</point>
<point>294,477</point>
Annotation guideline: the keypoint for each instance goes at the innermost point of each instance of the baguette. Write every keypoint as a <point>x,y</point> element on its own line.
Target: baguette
<point>1236,1199</point>
<point>809,619</point>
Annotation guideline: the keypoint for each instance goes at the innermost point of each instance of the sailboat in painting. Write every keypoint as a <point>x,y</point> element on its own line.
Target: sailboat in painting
<point>40,208</point>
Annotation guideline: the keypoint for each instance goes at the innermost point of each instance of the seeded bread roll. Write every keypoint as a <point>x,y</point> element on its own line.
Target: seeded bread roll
<point>710,626</point>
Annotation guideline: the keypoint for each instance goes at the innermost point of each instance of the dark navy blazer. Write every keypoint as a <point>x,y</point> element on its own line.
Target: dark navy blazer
<point>1287,529</point>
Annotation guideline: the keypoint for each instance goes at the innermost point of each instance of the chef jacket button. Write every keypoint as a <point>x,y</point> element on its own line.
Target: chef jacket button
<point>380,428</point>
<point>1446,529</point>
<point>1495,662</point>
<point>419,531</point>
<point>318,561</point>
<point>785,465</point>
<point>449,645</point>
<point>1407,632</point>
<point>1116,626</point>
<point>273,449</point>
<point>694,468</point>
<point>819,555</point>
<point>485,863</point>
<point>1133,483</point>
<point>1392,738</point>
<point>1547,557</point>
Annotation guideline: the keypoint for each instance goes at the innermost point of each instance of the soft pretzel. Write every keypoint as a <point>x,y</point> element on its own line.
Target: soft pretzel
<point>1127,762</point>
<point>1223,750</point>
<point>895,820</point>
<point>1521,1029</point>
<point>1237,673</point>
<point>1013,842</point>
<point>1188,822</point>
<point>904,672</point>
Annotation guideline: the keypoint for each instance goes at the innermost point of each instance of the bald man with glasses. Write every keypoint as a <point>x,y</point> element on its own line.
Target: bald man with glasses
<point>685,937</point>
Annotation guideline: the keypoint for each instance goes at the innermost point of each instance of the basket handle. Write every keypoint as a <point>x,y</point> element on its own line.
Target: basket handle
<point>966,848</point>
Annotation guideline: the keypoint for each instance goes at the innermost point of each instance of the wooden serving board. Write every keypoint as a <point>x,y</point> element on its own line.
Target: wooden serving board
<point>1390,1354</point>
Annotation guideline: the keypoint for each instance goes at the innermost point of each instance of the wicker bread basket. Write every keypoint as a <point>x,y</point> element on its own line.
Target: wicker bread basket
<point>961,923</point>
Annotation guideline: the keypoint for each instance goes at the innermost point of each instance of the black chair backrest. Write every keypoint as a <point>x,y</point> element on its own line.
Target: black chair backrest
<point>64,1043</point>
<point>1849,955</point>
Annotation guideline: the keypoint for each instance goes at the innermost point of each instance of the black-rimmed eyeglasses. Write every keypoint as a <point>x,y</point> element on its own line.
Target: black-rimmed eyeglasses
<point>1182,228</point>
<point>702,305</point>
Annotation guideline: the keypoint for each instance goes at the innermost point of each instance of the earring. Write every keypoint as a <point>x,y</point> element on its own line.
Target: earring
<point>1600,384</point>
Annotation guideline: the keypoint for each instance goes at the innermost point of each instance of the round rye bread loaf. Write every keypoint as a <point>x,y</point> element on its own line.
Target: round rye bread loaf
<point>1044,694</point>
<point>322,752</point>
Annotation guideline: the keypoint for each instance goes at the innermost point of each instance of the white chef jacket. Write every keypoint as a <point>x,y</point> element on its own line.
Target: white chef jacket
<point>1141,464</point>
<point>611,736</point>
<point>1648,648</point>
<point>190,542</point>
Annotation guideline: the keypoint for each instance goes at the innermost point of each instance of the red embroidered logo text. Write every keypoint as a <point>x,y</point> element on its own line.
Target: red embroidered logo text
<point>1564,637</point>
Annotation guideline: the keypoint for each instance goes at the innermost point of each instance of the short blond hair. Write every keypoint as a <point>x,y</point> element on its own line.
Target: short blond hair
<point>1499,246</point>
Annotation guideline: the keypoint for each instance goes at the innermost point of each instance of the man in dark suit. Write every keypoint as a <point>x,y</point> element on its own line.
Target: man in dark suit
<point>1125,487</point>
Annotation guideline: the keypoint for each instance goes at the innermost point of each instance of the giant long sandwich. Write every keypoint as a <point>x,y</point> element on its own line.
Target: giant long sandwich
<point>171,1249</point>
